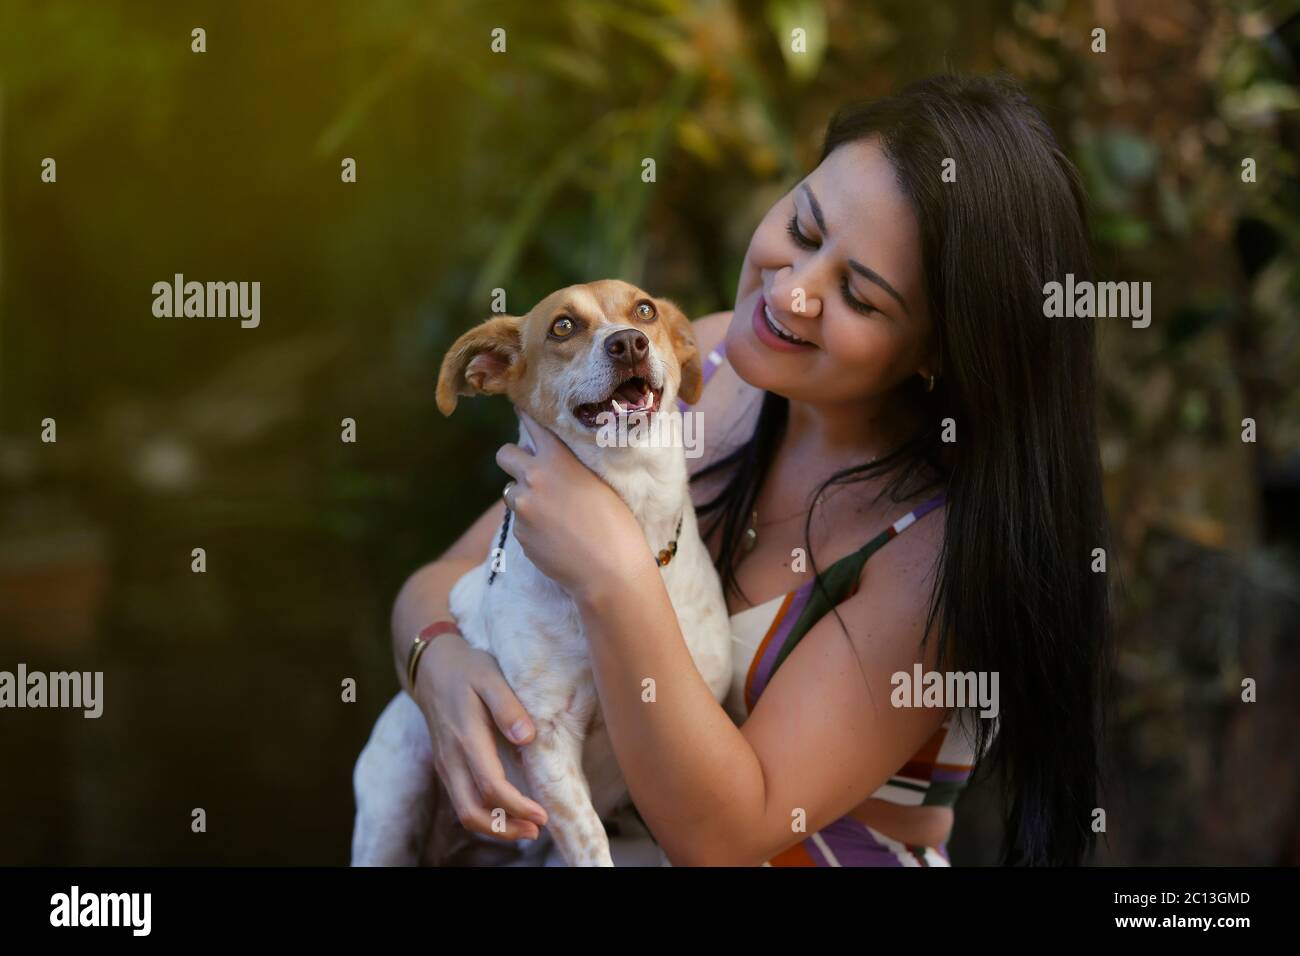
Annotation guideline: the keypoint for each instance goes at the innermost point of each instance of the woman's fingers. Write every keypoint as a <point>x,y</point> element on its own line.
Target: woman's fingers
<point>473,816</point>
<point>485,761</point>
<point>490,776</point>
<point>465,798</point>
<point>544,439</point>
<point>515,462</point>
<point>466,757</point>
<point>508,714</point>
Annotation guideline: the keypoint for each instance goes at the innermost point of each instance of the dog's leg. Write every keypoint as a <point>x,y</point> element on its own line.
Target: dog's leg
<point>404,815</point>
<point>553,765</point>
<point>393,781</point>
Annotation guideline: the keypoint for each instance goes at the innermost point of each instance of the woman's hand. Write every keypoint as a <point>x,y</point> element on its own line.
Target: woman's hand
<point>462,694</point>
<point>571,524</point>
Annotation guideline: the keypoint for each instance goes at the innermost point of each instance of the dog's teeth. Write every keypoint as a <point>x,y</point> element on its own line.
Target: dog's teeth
<point>618,409</point>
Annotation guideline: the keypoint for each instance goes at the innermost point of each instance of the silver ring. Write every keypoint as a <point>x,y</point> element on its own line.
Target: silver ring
<point>505,494</point>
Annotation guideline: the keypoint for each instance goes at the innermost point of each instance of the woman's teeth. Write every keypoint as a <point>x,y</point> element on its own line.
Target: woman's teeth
<point>780,329</point>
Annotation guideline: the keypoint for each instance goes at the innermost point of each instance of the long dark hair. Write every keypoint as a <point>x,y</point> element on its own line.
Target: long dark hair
<point>1014,589</point>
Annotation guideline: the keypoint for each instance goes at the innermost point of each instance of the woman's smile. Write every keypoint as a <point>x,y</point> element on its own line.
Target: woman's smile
<point>773,334</point>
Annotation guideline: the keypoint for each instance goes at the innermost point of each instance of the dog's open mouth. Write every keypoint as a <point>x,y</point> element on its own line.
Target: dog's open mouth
<point>631,396</point>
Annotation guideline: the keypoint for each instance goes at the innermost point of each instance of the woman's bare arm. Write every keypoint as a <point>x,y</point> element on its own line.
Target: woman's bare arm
<point>822,738</point>
<point>423,598</point>
<point>726,410</point>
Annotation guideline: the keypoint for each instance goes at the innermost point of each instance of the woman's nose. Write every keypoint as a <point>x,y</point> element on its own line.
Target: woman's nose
<point>795,291</point>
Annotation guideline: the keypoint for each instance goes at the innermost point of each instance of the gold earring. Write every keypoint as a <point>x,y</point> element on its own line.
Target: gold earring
<point>930,386</point>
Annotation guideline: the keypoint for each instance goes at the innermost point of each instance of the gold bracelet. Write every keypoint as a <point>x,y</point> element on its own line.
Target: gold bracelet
<point>423,640</point>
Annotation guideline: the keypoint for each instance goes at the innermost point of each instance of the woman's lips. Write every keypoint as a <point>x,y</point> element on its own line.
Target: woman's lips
<point>769,337</point>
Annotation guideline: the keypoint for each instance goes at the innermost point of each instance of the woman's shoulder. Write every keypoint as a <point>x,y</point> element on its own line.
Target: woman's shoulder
<point>903,568</point>
<point>710,330</point>
<point>726,411</point>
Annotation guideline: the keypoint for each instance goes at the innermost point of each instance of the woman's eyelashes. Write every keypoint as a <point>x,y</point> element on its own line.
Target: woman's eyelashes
<point>800,240</point>
<point>853,302</point>
<point>804,242</point>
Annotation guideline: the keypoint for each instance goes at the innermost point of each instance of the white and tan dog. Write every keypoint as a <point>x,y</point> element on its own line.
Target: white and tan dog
<point>582,354</point>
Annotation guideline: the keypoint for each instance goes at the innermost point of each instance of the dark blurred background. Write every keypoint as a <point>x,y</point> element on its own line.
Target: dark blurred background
<point>521,170</point>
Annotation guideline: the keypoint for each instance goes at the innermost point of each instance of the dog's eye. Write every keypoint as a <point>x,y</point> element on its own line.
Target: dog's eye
<point>562,327</point>
<point>645,311</point>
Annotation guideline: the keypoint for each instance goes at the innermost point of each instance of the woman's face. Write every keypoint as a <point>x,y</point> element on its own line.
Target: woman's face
<point>835,265</point>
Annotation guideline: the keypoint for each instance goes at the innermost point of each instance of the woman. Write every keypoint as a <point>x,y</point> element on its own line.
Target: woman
<point>888,376</point>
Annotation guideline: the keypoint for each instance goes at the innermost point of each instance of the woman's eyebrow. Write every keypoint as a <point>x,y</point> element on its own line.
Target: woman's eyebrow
<point>816,207</point>
<point>879,280</point>
<point>869,274</point>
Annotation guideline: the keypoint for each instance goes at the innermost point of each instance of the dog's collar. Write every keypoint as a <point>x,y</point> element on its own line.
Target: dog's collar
<point>667,554</point>
<point>661,559</point>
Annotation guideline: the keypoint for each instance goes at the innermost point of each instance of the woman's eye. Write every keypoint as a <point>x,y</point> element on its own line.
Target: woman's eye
<point>792,227</point>
<point>645,311</point>
<point>853,301</point>
<point>562,327</point>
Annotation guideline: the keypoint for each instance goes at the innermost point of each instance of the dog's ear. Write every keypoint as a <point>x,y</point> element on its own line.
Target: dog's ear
<point>688,353</point>
<point>483,361</point>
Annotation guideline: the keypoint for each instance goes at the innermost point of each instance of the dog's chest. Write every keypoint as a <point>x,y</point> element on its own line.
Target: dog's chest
<point>526,621</point>
<point>535,631</point>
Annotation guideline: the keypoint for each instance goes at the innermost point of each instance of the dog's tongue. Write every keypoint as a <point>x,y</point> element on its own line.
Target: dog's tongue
<point>631,396</point>
<point>631,393</point>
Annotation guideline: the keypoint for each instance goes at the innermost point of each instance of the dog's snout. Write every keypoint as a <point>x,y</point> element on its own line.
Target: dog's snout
<point>627,346</point>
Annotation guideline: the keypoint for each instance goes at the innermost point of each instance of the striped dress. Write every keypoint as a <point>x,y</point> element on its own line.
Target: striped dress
<point>764,636</point>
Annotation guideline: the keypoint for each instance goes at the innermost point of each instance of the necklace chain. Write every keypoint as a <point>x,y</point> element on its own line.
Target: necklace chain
<point>751,532</point>
<point>754,522</point>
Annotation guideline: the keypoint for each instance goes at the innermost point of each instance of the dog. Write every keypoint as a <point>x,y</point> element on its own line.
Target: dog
<point>584,358</point>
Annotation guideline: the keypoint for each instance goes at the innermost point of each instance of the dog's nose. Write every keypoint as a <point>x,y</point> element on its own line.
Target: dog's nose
<point>627,346</point>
